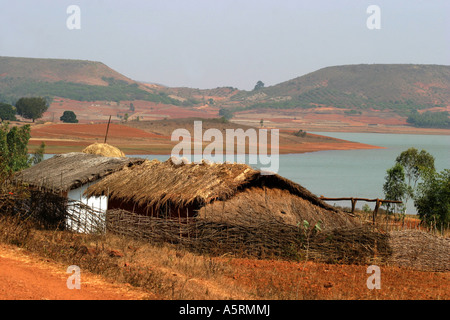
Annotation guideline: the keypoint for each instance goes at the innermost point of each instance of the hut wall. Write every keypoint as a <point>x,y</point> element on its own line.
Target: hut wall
<point>79,218</point>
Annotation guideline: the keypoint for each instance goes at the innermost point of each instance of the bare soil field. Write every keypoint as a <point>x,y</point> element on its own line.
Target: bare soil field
<point>154,137</point>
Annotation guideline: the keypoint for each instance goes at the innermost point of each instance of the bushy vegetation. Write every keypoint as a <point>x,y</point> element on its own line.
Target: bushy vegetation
<point>226,114</point>
<point>433,199</point>
<point>7,112</point>
<point>430,119</point>
<point>69,117</point>
<point>300,133</point>
<point>14,149</point>
<point>325,97</point>
<point>117,90</point>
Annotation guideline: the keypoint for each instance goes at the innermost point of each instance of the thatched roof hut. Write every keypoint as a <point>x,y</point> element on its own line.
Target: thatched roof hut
<point>103,149</point>
<point>212,191</point>
<point>65,172</point>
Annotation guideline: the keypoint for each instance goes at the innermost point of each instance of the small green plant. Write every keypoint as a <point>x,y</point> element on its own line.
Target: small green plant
<point>38,155</point>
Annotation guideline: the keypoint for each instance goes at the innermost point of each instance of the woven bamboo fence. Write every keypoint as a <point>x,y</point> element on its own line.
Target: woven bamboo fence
<point>260,239</point>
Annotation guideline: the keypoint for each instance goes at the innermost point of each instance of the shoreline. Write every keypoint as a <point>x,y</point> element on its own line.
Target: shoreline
<point>56,147</point>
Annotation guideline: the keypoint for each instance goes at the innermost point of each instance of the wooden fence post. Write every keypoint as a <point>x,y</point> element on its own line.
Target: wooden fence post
<point>375,211</point>
<point>353,204</point>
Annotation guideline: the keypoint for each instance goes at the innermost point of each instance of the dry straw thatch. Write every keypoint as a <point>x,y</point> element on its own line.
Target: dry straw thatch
<point>104,149</point>
<point>216,191</point>
<point>69,171</point>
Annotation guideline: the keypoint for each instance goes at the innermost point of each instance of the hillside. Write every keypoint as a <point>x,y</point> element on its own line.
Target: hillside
<point>53,70</point>
<point>397,87</point>
<point>72,79</point>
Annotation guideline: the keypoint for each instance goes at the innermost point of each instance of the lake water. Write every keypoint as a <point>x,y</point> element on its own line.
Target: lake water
<point>356,173</point>
<point>359,173</point>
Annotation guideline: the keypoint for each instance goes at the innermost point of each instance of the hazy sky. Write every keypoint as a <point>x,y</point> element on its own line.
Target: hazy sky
<point>208,44</point>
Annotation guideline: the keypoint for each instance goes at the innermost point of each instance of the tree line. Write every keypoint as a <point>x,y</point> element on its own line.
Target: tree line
<point>430,119</point>
<point>30,108</point>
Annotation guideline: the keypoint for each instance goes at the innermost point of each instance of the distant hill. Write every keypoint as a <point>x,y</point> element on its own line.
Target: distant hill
<point>400,87</point>
<point>353,89</point>
<point>53,70</point>
<point>73,79</point>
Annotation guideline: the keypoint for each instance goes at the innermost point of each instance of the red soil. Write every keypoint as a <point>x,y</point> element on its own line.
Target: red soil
<point>28,277</point>
<point>309,280</point>
<point>92,111</point>
<point>90,131</point>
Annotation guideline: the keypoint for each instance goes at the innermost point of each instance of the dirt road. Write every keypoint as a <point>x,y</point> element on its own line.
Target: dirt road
<point>24,276</point>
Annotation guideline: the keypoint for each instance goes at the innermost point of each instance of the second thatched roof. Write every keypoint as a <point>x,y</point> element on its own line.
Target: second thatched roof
<point>69,171</point>
<point>154,184</point>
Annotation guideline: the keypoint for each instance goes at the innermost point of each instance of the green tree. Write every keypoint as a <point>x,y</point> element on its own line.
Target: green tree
<point>395,188</point>
<point>411,166</point>
<point>14,148</point>
<point>259,85</point>
<point>132,107</point>
<point>433,199</point>
<point>69,117</point>
<point>415,164</point>
<point>226,114</point>
<point>31,108</point>
<point>7,112</point>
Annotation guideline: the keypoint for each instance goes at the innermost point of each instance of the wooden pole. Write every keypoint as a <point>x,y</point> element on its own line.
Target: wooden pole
<point>353,204</point>
<point>107,128</point>
<point>375,211</point>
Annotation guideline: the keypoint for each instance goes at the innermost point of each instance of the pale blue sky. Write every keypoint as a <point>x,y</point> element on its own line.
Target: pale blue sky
<point>208,44</point>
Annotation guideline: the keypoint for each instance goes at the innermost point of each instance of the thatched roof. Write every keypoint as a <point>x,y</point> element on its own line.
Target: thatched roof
<point>154,184</point>
<point>69,171</point>
<point>103,149</point>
